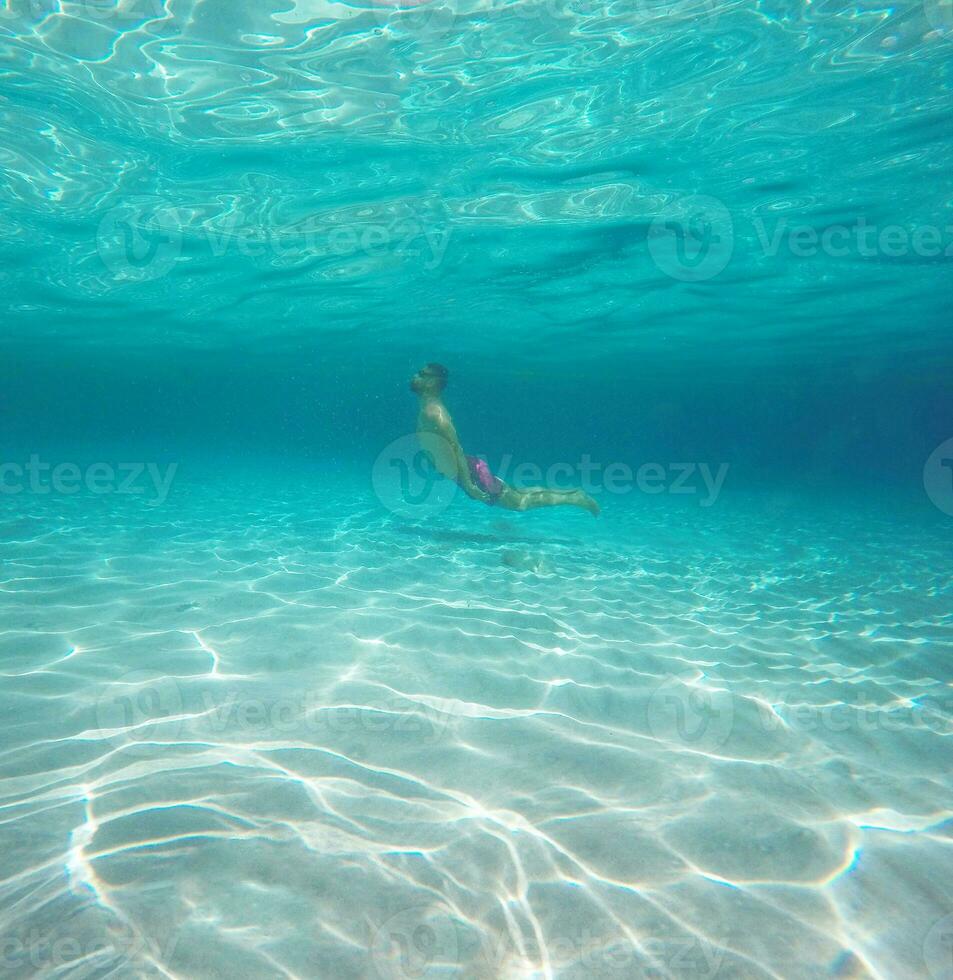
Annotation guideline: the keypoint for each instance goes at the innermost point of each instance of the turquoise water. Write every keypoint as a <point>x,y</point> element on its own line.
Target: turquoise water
<point>275,700</point>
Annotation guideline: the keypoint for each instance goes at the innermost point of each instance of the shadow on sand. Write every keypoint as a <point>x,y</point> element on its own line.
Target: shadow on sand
<point>504,535</point>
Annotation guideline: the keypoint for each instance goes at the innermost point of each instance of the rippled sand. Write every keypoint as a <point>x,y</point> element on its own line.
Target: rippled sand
<point>258,733</point>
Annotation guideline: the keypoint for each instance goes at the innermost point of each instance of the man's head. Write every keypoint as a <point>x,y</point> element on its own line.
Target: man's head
<point>429,380</point>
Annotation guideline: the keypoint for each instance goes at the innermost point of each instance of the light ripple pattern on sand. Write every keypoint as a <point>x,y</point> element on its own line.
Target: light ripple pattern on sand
<point>245,735</point>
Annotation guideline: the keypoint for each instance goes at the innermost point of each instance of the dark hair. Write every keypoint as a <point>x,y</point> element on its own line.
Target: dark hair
<point>431,377</point>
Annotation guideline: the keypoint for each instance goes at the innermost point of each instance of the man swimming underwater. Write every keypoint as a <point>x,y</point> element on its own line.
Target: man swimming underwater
<point>438,436</point>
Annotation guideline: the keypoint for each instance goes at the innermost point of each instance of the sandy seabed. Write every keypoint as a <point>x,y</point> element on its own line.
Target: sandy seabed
<point>260,732</point>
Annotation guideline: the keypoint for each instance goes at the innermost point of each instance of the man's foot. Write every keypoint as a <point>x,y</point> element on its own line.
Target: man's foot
<point>587,503</point>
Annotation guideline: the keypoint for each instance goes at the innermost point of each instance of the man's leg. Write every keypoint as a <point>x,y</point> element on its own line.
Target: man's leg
<point>532,497</point>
